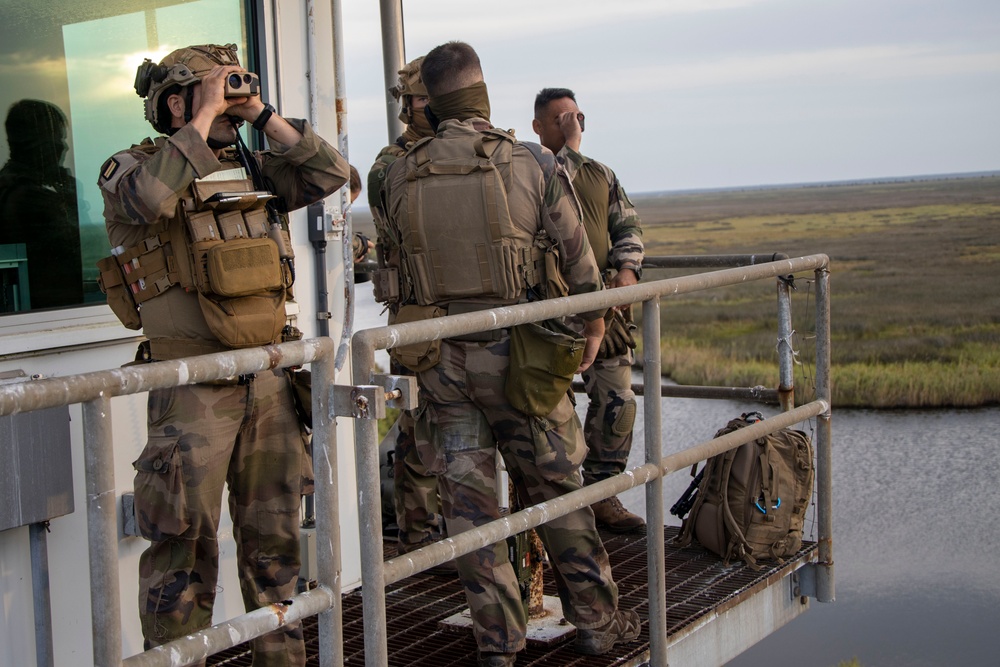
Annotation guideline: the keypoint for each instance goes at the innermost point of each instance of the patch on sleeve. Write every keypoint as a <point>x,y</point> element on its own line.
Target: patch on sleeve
<point>109,168</point>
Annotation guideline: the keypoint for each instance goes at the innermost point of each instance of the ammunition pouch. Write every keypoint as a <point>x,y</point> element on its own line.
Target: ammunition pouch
<point>544,357</point>
<point>417,356</point>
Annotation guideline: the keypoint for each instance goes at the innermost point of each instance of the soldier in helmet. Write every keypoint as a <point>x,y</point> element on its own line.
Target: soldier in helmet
<point>614,231</point>
<point>465,210</point>
<point>174,206</point>
<point>416,507</point>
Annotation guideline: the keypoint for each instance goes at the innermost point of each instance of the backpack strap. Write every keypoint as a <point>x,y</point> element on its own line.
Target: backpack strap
<point>738,545</point>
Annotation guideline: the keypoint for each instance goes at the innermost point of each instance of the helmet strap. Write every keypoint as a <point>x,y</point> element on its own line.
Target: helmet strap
<point>188,103</point>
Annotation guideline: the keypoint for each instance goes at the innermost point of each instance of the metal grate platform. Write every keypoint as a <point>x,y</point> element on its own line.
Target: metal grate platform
<point>697,586</point>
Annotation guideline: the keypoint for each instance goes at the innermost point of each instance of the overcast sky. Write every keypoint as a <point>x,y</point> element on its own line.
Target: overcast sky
<point>721,93</point>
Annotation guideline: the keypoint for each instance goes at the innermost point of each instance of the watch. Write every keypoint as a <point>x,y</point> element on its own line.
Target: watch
<point>636,268</point>
<point>264,116</point>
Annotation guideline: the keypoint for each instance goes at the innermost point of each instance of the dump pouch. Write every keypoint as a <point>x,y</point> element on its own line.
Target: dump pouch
<point>246,321</point>
<point>543,359</point>
<point>417,356</point>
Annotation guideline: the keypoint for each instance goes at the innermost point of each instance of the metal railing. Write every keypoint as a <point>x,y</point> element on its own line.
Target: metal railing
<point>94,391</point>
<point>377,574</point>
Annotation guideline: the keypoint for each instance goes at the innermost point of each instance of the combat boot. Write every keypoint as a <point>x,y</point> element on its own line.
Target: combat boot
<point>611,514</point>
<point>623,628</point>
<point>495,659</point>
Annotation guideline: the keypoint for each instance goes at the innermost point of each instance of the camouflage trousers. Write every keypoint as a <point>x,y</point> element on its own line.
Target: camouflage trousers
<point>415,490</point>
<point>202,438</point>
<point>466,419</point>
<point>610,417</point>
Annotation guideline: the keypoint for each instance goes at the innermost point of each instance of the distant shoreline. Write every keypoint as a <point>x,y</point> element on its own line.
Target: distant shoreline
<point>823,184</point>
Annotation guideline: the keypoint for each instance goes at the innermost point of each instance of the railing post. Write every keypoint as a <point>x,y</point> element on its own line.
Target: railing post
<point>786,355</point>
<point>370,515</point>
<point>654,489</point>
<point>38,545</point>
<point>102,531</point>
<point>325,471</point>
<point>824,454</point>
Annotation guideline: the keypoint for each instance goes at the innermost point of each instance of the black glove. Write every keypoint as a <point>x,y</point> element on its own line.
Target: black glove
<point>618,338</point>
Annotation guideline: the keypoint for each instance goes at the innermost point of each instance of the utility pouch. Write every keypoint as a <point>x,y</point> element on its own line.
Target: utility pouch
<point>543,359</point>
<point>112,283</point>
<point>417,356</point>
<point>244,266</point>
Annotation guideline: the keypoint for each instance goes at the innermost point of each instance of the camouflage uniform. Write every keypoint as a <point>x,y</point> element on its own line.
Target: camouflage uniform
<point>466,419</point>
<point>614,231</point>
<point>243,433</point>
<point>415,490</point>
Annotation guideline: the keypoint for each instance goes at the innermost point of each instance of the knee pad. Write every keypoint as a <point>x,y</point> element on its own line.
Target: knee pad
<point>625,420</point>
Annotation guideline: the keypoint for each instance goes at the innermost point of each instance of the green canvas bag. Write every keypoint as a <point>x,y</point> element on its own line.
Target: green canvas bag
<point>543,359</point>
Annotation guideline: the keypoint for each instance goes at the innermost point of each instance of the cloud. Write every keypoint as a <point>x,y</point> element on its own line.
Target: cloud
<point>451,19</point>
<point>870,63</point>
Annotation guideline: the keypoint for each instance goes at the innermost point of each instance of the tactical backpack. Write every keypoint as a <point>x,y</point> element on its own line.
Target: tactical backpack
<point>750,502</point>
<point>473,171</point>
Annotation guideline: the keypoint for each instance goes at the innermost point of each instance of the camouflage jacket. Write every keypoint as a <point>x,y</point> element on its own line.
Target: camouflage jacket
<point>142,188</point>
<point>619,224</point>
<point>538,198</point>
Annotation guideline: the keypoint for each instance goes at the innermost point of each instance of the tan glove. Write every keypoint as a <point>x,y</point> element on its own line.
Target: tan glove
<point>618,338</point>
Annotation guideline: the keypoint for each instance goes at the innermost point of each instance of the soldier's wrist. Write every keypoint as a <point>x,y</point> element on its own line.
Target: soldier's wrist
<point>634,268</point>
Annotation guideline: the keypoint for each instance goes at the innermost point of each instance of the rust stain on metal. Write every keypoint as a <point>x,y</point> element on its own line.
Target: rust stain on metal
<point>274,356</point>
<point>340,105</point>
<point>279,610</point>
<point>361,402</point>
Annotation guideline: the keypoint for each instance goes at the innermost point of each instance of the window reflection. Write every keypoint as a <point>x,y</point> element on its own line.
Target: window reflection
<point>66,73</point>
<point>38,206</point>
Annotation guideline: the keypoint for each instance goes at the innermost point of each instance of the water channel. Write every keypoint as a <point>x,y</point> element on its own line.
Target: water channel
<point>916,515</point>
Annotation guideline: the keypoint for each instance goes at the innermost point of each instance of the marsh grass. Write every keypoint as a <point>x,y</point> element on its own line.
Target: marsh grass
<point>915,289</point>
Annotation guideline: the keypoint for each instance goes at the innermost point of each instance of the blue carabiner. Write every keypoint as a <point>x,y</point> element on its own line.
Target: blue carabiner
<point>756,504</point>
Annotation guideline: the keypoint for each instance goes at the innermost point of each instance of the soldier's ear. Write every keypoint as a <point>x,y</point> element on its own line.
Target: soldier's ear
<point>176,105</point>
<point>536,126</point>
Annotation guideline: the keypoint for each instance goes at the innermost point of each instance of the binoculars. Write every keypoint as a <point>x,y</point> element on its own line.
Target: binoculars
<point>242,84</point>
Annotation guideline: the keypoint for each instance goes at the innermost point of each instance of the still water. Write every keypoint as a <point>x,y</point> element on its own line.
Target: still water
<point>916,536</point>
<point>916,533</point>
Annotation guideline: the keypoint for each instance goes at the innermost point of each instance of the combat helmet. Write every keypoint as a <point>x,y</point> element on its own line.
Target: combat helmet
<point>409,84</point>
<point>183,67</point>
